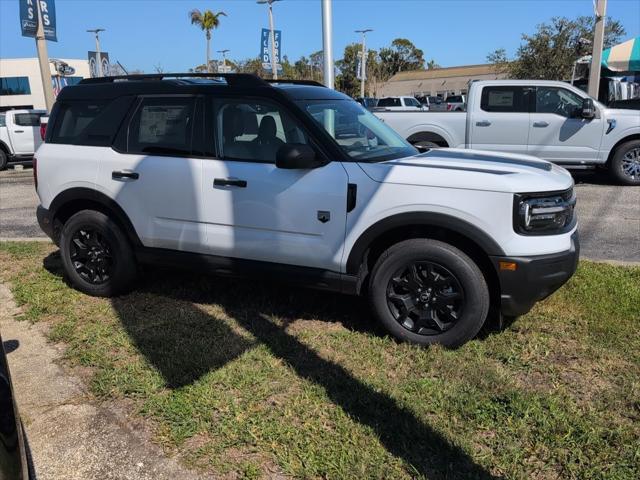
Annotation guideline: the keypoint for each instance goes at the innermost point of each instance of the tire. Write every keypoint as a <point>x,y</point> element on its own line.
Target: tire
<point>448,280</point>
<point>625,164</point>
<point>424,144</point>
<point>96,255</point>
<point>4,160</point>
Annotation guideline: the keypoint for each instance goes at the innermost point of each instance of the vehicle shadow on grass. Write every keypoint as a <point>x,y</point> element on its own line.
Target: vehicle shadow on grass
<point>183,342</point>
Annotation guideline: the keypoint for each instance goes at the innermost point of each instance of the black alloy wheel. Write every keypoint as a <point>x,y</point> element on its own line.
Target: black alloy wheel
<point>425,298</point>
<point>91,256</point>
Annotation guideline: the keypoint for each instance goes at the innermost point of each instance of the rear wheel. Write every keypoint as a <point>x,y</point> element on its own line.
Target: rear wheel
<point>425,145</point>
<point>96,255</point>
<point>625,164</point>
<point>426,291</point>
<point>4,160</point>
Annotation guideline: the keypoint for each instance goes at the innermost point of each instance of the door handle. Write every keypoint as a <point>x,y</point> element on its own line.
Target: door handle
<point>120,174</point>
<point>541,124</point>
<point>18,131</point>
<point>483,123</point>
<point>229,182</point>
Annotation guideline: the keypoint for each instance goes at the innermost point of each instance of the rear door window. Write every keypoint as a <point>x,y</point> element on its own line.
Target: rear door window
<point>162,125</point>
<point>507,99</point>
<point>28,119</point>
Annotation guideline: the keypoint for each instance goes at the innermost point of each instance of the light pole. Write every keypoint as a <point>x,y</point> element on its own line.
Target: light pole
<point>224,59</point>
<point>327,42</point>
<point>600,7</point>
<point>363,64</point>
<point>97,31</point>
<point>274,66</point>
<point>43,60</point>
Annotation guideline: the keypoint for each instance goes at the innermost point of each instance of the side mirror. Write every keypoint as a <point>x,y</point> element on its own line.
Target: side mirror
<point>297,156</point>
<point>588,108</point>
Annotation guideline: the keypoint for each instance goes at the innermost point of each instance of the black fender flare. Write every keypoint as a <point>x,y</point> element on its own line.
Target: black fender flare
<point>422,219</point>
<point>94,198</point>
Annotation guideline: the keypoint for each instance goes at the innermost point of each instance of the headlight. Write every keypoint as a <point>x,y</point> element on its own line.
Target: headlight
<point>546,213</point>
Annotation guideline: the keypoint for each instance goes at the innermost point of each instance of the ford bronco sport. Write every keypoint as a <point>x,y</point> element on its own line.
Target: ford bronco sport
<point>297,181</point>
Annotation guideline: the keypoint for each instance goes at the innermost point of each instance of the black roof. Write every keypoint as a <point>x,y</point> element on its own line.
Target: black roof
<point>188,83</point>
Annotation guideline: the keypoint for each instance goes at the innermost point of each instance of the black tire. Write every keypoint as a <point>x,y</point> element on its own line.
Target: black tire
<point>445,272</point>
<point>96,255</point>
<point>4,160</point>
<point>625,164</point>
<point>424,145</point>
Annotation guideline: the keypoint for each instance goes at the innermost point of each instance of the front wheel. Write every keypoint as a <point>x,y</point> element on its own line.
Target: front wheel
<point>4,160</point>
<point>625,164</point>
<point>425,291</point>
<point>97,257</point>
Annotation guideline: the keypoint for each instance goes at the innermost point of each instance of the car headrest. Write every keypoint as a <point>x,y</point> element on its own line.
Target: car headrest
<point>267,127</point>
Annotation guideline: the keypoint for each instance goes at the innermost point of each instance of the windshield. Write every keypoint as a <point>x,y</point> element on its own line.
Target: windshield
<point>360,134</point>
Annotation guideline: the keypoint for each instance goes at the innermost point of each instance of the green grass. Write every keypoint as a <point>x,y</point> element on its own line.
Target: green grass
<point>250,380</point>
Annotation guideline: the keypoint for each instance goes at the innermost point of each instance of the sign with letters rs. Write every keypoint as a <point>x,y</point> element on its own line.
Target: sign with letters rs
<point>29,18</point>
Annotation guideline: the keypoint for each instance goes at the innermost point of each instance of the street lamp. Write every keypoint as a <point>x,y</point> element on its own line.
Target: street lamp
<point>363,64</point>
<point>274,68</point>
<point>327,43</point>
<point>224,59</point>
<point>97,31</point>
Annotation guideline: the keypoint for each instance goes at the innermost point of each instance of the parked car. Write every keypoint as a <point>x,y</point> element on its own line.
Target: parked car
<point>551,120</point>
<point>367,102</point>
<point>435,103</point>
<point>245,177</point>
<point>400,104</point>
<point>19,135</point>
<point>13,454</point>
<point>456,103</point>
<point>44,120</point>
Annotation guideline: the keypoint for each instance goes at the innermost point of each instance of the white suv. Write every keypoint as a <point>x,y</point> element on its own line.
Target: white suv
<point>301,183</point>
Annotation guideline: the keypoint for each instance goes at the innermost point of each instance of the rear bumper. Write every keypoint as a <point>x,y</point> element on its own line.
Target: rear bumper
<point>534,278</point>
<point>45,221</point>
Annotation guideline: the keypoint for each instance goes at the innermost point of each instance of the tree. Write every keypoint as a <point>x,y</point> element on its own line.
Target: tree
<point>402,55</point>
<point>432,65</point>
<point>498,58</point>
<point>347,80</point>
<point>207,21</point>
<point>550,52</point>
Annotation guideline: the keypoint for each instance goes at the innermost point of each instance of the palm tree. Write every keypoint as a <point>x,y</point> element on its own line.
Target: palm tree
<point>207,21</point>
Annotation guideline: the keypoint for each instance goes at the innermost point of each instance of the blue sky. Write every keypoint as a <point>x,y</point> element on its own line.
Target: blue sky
<point>144,33</point>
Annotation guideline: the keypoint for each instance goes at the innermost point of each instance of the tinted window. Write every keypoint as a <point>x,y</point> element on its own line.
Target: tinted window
<point>411,102</point>
<point>389,102</point>
<point>3,120</point>
<point>28,119</point>
<point>254,130</point>
<point>455,99</point>
<point>73,119</point>
<point>557,100</point>
<point>14,86</point>
<point>162,125</point>
<point>504,99</point>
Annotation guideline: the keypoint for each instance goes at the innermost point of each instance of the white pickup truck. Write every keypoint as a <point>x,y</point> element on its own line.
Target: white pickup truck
<point>19,135</point>
<point>551,120</point>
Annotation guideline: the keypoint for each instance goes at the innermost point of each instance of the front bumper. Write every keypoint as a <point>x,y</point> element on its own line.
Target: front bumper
<point>534,278</point>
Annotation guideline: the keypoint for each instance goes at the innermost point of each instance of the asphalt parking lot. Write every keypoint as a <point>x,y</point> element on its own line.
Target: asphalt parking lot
<point>609,215</point>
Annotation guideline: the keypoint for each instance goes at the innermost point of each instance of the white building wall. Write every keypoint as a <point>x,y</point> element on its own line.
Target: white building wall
<point>28,67</point>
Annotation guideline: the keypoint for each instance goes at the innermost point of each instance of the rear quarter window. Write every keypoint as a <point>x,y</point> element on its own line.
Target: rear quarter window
<point>28,119</point>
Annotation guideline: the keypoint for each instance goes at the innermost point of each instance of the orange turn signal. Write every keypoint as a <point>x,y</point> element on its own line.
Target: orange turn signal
<point>512,266</point>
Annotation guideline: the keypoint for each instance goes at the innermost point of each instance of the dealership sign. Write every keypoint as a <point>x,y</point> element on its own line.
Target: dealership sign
<point>104,62</point>
<point>265,48</point>
<point>29,18</point>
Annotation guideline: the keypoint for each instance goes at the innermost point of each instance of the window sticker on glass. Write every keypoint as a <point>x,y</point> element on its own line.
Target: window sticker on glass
<point>161,123</point>
<point>500,98</point>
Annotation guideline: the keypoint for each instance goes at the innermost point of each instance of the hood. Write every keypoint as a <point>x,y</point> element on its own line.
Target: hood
<point>623,112</point>
<point>473,170</point>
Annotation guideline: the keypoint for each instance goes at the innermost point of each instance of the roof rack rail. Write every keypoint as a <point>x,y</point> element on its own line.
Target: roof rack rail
<point>235,79</point>
<point>295,82</point>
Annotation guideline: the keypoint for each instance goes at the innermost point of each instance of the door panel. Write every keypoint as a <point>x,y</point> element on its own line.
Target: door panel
<point>24,132</point>
<point>558,134</point>
<point>275,217</point>
<point>502,121</point>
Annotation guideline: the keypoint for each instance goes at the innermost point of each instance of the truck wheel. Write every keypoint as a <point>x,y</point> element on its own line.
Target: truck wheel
<point>424,145</point>
<point>625,164</point>
<point>97,257</point>
<point>425,291</point>
<point>3,160</point>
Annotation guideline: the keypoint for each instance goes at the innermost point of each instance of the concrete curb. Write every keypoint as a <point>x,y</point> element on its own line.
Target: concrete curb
<point>25,239</point>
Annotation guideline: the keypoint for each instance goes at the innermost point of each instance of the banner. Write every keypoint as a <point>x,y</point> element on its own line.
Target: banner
<point>29,18</point>
<point>265,48</point>
<point>104,62</point>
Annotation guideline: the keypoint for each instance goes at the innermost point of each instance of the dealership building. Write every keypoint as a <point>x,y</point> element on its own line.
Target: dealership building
<point>21,82</point>
<point>438,81</point>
